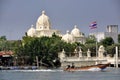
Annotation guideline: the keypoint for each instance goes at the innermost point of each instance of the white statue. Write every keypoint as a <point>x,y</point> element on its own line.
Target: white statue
<point>80,53</point>
<point>62,55</point>
<point>101,51</point>
<point>88,53</point>
<point>75,52</point>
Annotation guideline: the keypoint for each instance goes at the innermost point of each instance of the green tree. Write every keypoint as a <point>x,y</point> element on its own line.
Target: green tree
<point>3,38</point>
<point>4,43</point>
<point>91,44</point>
<point>107,41</point>
<point>91,39</point>
<point>46,48</point>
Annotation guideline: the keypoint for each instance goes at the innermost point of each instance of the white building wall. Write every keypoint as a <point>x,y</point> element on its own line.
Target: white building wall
<point>112,31</point>
<point>98,35</point>
<point>112,28</point>
<point>103,35</point>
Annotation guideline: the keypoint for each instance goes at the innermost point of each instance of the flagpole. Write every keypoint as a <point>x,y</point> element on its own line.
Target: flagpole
<point>96,51</point>
<point>94,26</point>
<point>96,47</point>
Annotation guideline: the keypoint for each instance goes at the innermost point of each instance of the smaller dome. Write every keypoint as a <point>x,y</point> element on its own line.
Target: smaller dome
<point>31,31</point>
<point>75,32</point>
<point>68,37</point>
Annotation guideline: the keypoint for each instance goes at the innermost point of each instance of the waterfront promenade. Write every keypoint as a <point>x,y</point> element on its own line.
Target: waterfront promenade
<point>85,61</point>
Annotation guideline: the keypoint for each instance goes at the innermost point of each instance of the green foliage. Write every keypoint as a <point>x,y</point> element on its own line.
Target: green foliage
<point>69,48</point>
<point>92,48</point>
<point>3,38</point>
<point>91,44</point>
<point>107,41</point>
<point>90,40</point>
<point>46,48</point>
<point>111,50</point>
<point>119,38</point>
<point>5,45</point>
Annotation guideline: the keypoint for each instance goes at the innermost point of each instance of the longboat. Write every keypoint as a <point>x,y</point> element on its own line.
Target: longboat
<point>98,67</point>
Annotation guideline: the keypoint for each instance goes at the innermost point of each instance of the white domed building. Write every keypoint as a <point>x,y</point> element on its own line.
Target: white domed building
<point>74,36</point>
<point>31,32</point>
<point>76,32</point>
<point>68,37</point>
<point>43,27</point>
<point>43,22</point>
<point>78,36</point>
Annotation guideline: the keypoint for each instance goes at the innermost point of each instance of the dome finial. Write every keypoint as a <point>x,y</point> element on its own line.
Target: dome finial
<point>32,25</point>
<point>43,12</point>
<point>75,26</point>
<point>67,31</point>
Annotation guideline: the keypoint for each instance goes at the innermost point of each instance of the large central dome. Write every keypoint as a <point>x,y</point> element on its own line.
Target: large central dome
<point>75,32</point>
<point>43,22</point>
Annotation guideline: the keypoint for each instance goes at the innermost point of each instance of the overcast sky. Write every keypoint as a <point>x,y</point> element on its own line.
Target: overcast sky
<point>17,16</point>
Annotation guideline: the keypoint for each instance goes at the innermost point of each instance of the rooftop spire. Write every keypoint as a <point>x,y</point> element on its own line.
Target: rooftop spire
<point>43,12</point>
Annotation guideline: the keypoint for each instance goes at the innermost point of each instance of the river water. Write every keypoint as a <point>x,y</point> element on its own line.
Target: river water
<point>109,74</point>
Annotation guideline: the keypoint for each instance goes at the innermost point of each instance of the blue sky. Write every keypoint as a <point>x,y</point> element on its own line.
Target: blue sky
<point>16,16</point>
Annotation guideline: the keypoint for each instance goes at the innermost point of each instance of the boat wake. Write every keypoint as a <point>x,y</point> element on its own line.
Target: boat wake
<point>37,70</point>
<point>94,69</point>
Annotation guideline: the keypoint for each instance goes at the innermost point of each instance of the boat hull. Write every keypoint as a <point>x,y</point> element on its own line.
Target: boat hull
<point>98,67</point>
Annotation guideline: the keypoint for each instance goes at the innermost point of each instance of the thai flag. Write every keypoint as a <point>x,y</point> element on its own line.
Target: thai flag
<point>93,25</point>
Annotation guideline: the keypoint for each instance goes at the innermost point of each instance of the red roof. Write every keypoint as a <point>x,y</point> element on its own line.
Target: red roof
<point>6,53</point>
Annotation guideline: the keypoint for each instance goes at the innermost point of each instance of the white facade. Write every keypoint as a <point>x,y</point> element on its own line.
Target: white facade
<point>31,32</point>
<point>68,37</point>
<point>43,28</point>
<point>112,31</point>
<point>112,28</point>
<point>77,36</point>
<point>43,22</point>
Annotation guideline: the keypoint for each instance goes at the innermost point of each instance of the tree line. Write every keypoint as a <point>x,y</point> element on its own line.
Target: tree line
<point>47,48</point>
